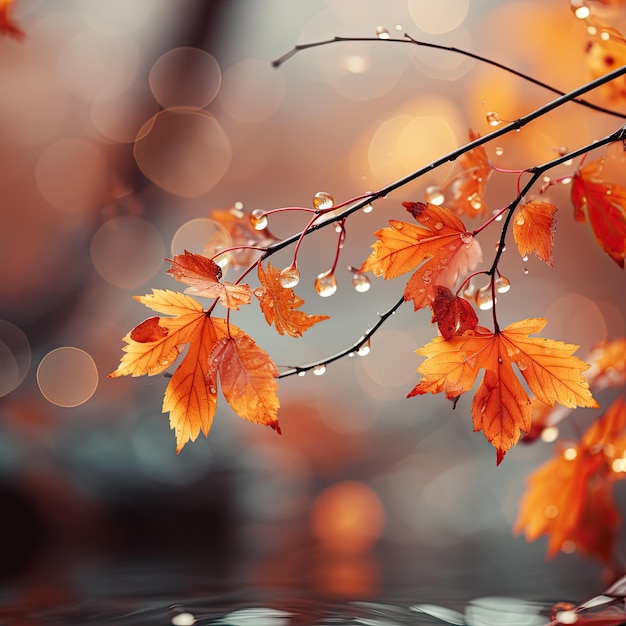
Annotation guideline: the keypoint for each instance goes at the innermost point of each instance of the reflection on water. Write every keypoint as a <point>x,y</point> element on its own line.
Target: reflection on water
<point>137,598</point>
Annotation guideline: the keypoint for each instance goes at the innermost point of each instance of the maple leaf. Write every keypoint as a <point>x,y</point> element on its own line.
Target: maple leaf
<point>242,233</point>
<point>279,305</point>
<point>248,378</point>
<point>191,394</point>
<point>605,207</point>
<point>501,407</point>
<point>7,25</point>
<point>569,498</point>
<point>465,193</point>
<point>204,276</point>
<point>453,314</point>
<point>533,230</point>
<point>441,249</point>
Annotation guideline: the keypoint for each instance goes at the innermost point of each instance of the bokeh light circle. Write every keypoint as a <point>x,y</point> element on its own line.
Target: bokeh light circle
<point>436,18</point>
<point>251,90</point>
<point>186,152</point>
<point>347,518</point>
<point>201,236</point>
<point>127,251</point>
<point>185,77</point>
<point>15,357</point>
<point>67,377</point>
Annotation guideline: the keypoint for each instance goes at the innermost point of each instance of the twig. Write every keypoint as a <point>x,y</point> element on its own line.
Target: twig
<point>407,39</point>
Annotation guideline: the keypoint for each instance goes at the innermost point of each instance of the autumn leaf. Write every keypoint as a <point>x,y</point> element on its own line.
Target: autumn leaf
<point>7,25</point>
<point>465,193</point>
<point>191,394</point>
<point>604,205</point>
<point>248,378</point>
<point>203,276</point>
<point>440,248</point>
<point>569,498</point>
<point>242,233</point>
<point>501,407</point>
<point>453,314</point>
<point>605,54</point>
<point>279,305</point>
<point>533,230</point>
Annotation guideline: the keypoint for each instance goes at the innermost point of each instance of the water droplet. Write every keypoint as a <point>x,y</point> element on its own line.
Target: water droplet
<point>502,284</point>
<point>422,290</point>
<point>183,619</point>
<point>525,258</point>
<point>520,220</point>
<point>525,270</point>
<point>398,27</point>
<point>484,299</point>
<point>361,282</point>
<point>164,362</point>
<point>438,225</point>
<point>319,370</point>
<point>499,151</point>
<point>500,360</point>
<point>364,349</point>
<point>570,454</point>
<point>258,219</point>
<point>498,247</point>
<point>433,195</point>
<point>550,434</point>
<point>338,228</point>
<point>326,284</point>
<point>566,180</point>
<point>289,277</point>
<point>470,290</point>
<point>592,30</point>
<point>493,119</point>
<point>222,260</point>
<point>301,373</point>
<point>475,202</point>
<point>351,354</point>
<point>322,201</point>
<point>427,277</point>
<point>608,191</point>
<point>605,35</point>
<point>368,208</point>
<point>522,365</point>
<point>259,292</point>
<point>382,32</point>
<point>580,10</point>
<point>467,238</point>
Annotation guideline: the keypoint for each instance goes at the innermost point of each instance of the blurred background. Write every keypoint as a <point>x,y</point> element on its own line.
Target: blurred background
<point>122,126</point>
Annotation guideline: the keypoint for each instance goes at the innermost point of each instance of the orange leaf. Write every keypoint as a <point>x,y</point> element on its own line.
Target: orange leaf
<point>465,193</point>
<point>533,230</point>
<point>7,25</point>
<point>441,250</point>
<point>609,364</point>
<point>279,305</point>
<point>204,275</point>
<point>606,55</point>
<point>605,207</point>
<point>248,378</point>
<point>501,407</point>
<point>191,394</point>
<point>242,233</point>
<point>454,315</point>
<point>569,498</point>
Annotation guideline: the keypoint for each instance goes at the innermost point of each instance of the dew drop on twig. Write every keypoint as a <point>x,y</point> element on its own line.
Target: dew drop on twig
<point>484,299</point>
<point>258,219</point>
<point>382,32</point>
<point>319,370</point>
<point>493,119</point>
<point>361,282</point>
<point>364,349</point>
<point>289,277</point>
<point>322,200</point>
<point>326,284</point>
<point>503,284</point>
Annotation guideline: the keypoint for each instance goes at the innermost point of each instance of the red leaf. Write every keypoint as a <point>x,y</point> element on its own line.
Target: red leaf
<point>453,314</point>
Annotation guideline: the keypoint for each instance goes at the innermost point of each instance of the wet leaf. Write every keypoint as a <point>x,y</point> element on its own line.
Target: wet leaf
<point>203,277</point>
<point>604,205</point>
<point>280,305</point>
<point>453,314</point>
<point>191,394</point>
<point>440,248</point>
<point>501,407</point>
<point>533,230</point>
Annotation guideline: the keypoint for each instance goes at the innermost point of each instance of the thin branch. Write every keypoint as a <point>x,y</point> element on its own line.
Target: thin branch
<point>353,349</point>
<point>407,39</point>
